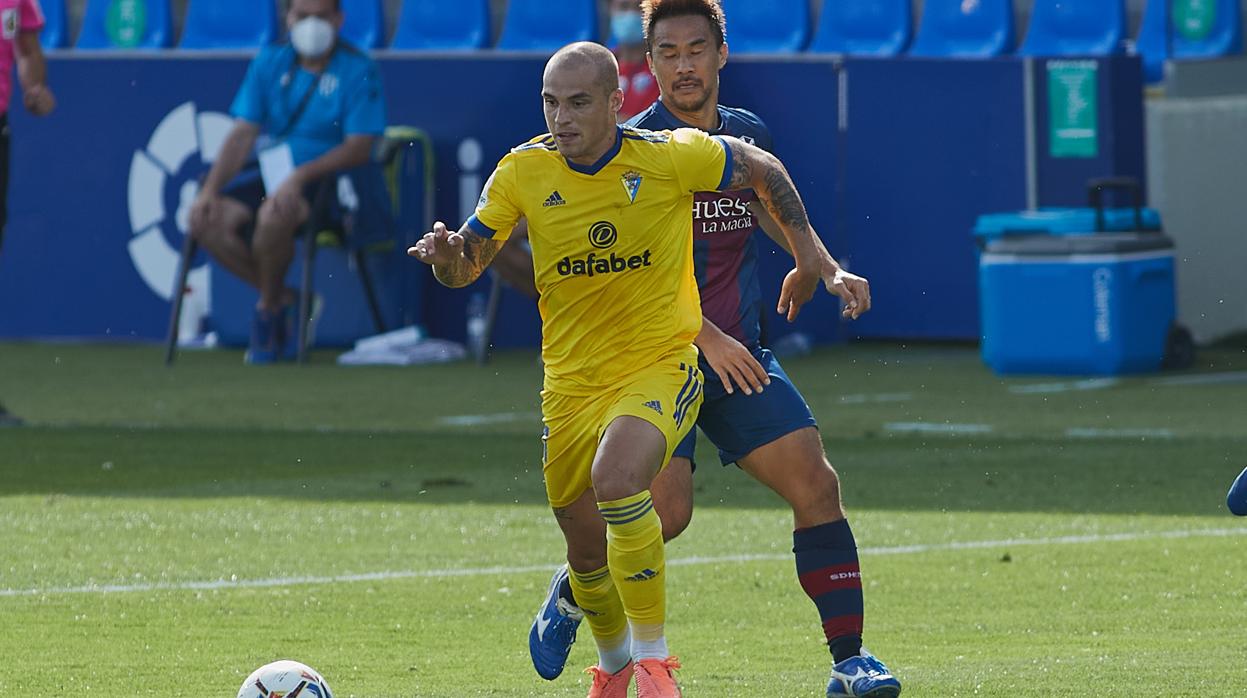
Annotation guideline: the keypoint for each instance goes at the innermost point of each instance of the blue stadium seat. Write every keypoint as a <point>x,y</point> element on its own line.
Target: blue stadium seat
<point>864,27</point>
<point>547,25</point>
<point>436,25</point>
<point>1190,39</point>
<point>965,29</point>
<point>55,32</point>
<point>1076,28</point>
<point>229,24</point>
<point>778,26</point>
<point>364,23</point>
<point>126,24</point>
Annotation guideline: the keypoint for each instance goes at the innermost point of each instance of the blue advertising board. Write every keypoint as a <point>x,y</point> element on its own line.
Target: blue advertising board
<point>929,145</point>
<point>893,162</point>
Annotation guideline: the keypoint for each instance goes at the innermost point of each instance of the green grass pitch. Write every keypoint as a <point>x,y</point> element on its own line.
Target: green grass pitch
<point>165,531</point>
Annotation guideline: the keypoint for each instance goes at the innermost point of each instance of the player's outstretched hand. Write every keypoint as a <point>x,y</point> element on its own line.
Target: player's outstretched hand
<point>731,361</point>
<point>799,287</point>
<point>854,290</point>
<point>438,247</point>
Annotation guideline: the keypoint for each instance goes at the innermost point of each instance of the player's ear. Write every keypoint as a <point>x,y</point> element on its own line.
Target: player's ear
<point>617,100</point>
<point>722,55</point>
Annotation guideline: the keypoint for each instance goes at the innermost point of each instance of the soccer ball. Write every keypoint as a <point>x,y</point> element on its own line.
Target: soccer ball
<point>285,679</point>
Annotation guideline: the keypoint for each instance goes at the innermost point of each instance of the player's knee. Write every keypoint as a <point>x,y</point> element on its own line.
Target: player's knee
<point>268,219</point>
<point>825,481</point>
<point>674,521</point>
<point>284,220</point>
<point>585,559</point>
<point>612,482</point>
<point>673,496</point>
<point>819,494</point>
<point>206,234</point>
<point>585,552</point>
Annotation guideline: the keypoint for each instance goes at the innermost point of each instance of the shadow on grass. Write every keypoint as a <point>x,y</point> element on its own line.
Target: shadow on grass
<point>1174,477</point>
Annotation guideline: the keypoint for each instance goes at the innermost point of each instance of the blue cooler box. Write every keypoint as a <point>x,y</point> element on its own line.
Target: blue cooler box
<point>1071,302</point>
<point>1066,221</point>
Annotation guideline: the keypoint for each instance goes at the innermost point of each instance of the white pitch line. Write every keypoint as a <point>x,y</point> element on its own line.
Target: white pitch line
<point>938,428</point>
<point>1091,433</point>
<point>1204,379</point>
<point>476,420</point>
<point>875,398</point>
<point>1050,388</point>
<point>225,584</point>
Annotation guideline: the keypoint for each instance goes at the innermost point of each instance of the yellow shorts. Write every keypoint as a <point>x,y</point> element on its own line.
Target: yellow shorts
<point>667,395</point>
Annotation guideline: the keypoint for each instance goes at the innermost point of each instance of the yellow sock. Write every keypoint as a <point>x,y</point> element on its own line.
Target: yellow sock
<point>635,555</point>
<point>596,596</point>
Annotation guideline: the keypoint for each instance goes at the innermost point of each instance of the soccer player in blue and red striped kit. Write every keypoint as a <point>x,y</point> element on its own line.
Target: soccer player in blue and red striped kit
<point>752,412</point>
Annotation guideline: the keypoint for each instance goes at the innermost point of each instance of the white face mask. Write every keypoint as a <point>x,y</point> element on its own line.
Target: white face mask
<point>312,37</point>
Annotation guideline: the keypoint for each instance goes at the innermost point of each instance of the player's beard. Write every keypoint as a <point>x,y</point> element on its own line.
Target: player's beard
<point>691,103</point>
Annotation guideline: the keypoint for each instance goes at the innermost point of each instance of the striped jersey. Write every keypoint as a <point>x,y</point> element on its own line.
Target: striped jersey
<point>724,251</point>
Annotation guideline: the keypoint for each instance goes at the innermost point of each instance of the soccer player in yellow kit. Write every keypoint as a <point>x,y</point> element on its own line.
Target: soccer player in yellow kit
<point>610,223</point>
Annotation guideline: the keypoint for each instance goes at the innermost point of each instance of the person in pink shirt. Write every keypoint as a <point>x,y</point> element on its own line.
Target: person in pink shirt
<point>20,22</point>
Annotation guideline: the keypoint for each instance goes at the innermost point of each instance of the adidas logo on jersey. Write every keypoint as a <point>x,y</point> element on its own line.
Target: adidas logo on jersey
<point>642,576</point>
<point>654,405</point>
<point>554,200</point>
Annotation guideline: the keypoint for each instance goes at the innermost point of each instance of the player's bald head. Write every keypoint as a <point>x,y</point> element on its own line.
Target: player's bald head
<point>594,61</point>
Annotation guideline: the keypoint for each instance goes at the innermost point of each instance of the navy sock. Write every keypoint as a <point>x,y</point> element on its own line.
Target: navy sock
<point>828,569</point>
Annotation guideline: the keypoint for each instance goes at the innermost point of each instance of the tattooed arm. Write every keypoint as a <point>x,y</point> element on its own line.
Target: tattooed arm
<point>457,259</point>
<point>754,168</point>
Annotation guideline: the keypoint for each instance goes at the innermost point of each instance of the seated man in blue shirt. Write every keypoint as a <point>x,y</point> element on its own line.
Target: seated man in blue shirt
<point>314,103</point>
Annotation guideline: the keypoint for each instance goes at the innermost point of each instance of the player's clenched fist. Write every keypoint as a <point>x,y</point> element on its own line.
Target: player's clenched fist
<point>438,247</point>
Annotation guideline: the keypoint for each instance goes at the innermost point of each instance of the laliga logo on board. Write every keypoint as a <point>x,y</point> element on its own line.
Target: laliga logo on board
<point>164,180</point>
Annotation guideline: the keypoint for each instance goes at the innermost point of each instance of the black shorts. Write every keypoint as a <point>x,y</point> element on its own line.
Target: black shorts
<point>247,188</point>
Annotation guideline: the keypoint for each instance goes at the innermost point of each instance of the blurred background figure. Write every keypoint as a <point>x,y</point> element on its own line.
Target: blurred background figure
<point>20,22</point>
<point>628,42</point>
<point>314,107</point>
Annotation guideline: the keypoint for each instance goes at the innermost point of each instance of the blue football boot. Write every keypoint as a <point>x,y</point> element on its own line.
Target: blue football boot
<point>862,676</point>
<point>1236,500</point>
<point>266,339</point>
<point>554,630</point>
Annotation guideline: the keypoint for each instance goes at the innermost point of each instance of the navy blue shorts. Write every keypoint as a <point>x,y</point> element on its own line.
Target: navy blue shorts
<point>737,423</point>
<point>247,187</point>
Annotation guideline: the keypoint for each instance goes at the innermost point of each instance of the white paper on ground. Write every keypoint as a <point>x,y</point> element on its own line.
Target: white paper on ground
<point>429,351</point>
<point>276,165</point>
<point>412,334</point>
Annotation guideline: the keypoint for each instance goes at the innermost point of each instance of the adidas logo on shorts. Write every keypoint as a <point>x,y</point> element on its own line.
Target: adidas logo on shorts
<point>654,405</point>
<point>554,200</point>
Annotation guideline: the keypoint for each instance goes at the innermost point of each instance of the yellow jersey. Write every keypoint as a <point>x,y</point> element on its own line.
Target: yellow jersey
<point>612,248</point>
